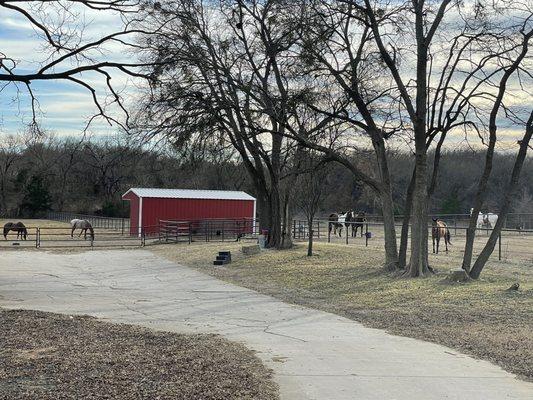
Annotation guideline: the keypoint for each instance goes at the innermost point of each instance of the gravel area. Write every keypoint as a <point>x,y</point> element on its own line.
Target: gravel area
<point>49,356</point>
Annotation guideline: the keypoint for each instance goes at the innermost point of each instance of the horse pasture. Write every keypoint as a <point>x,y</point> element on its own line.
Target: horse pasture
<point>55,234</point>
<point>481,318</point>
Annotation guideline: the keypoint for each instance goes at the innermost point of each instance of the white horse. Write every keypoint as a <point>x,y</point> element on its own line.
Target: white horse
<point>485,220</point>
<point>83,225</point>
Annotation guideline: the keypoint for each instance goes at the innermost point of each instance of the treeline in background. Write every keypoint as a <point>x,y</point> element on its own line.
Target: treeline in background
<point>89,177</point>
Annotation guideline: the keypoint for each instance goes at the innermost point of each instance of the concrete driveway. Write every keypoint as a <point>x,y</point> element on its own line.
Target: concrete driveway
<point>315,355</point>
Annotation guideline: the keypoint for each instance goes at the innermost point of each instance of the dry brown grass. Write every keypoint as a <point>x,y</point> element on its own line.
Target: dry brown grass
<point>47,356</point>
<point>481,318</point>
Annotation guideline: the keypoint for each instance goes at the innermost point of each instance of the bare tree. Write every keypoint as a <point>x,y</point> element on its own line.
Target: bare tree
<point>224,86</point>
<point>310,191</point>
<point>71,55</point>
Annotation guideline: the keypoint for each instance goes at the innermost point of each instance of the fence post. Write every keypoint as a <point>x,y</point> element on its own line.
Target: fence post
<point>329,232</point>
<point>318,228</point>
<point>347,226</point>
<point>122,226</point>
<point>366,234</point>
<point>190,233</point>
<point>36,238</point>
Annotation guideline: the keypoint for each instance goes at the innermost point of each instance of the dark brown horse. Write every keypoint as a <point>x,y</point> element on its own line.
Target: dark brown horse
<point>19,227</point>
<point>439,229</point>
<point>359,220</point>
<point>335,224</point>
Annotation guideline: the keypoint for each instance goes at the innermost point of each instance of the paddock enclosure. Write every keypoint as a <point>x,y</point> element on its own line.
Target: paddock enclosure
<point>513,246</point>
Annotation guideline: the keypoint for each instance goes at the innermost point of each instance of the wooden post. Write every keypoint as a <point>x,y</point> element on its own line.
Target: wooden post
<point>329,232</point>
<point>366,234</point>
<point>318,228</point>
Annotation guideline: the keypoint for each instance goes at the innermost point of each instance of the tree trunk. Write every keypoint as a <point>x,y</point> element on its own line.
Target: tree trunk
<point>402,257</point>
<point>275,233</point>
<point>418,265</point>
<point>310,241</point>
<point>478,203</point>
<point>506,204</point>
<point>387,205</point>
<point>482,187</point>
<point>286,234</point>
<point>391,249</point>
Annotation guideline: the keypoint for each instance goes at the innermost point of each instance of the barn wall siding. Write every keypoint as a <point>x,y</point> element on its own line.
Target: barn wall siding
<point>134,212</point>
<point>193,209</point>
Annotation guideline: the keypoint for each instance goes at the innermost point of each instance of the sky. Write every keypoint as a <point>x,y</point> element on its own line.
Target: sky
<point>63,107</point>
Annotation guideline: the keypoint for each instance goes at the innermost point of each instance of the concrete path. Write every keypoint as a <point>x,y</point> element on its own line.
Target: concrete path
<point>315,355</point>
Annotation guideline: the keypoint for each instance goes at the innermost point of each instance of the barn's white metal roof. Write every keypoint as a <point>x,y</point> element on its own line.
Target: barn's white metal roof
<point>190,194</point>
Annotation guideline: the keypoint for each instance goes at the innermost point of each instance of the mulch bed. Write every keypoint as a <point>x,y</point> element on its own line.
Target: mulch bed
<point>51,356</point>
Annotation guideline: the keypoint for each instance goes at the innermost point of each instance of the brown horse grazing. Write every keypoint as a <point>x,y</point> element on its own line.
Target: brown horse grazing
<point>439,229</point>
<point>18,227</point>
<point>335,224</point>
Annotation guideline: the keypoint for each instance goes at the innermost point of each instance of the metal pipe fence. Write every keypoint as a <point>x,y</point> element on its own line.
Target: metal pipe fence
<point>512,243</point>
<point>517,221</point>
<point>118,224</point>
<point>208,230</point>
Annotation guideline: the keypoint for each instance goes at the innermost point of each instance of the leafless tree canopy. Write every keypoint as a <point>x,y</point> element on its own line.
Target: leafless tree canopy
<point>70,53</point>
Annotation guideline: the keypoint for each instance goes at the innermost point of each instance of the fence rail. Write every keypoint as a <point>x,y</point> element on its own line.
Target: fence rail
<point>119,224</point>
<point>512,221</point>
<point>208,229</point>
<point>517,243</point>
<point>115,232</point>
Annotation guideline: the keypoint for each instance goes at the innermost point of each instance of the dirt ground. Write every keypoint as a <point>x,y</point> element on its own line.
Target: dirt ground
<point>50,356</point>
<point>480,318</point>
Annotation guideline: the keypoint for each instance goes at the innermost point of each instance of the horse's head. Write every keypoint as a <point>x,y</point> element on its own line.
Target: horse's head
<point>435,220</point>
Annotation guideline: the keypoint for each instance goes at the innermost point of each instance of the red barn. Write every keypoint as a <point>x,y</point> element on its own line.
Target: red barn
<point>148,206</point>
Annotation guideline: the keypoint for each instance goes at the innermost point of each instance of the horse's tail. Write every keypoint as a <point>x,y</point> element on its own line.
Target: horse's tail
<point>448,236</point>
<point>6,231</point>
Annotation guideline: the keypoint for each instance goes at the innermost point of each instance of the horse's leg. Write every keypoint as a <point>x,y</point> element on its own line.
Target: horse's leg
<point>446,239</point>
<point>72,232</point>
<point>433,239</point>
